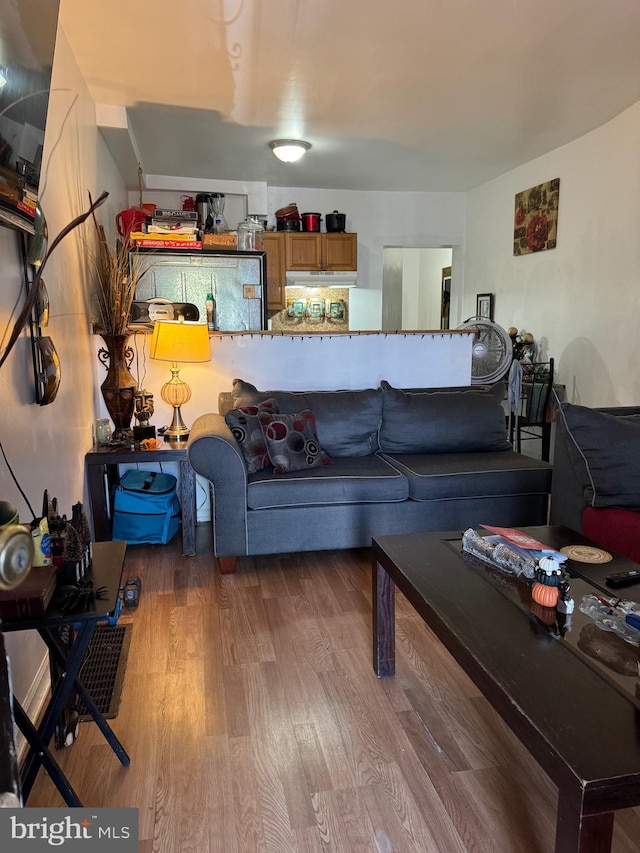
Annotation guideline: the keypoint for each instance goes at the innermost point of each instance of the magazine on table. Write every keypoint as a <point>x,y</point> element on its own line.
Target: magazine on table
<point>521,543</point>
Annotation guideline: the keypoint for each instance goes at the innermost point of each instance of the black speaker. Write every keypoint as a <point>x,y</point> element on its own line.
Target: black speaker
<point>187,310</point>
<point>140,311</point>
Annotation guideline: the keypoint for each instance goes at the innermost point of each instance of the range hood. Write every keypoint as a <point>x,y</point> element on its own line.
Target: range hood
<point>321,278</point>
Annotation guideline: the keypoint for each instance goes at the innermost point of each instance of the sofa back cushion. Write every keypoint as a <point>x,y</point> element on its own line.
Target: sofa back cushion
<point>465,420</point>
<point>605,452</point>
<point>347,422</point>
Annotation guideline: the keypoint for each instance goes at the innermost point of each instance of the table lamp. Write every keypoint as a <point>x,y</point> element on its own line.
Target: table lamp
<point>178,341</point>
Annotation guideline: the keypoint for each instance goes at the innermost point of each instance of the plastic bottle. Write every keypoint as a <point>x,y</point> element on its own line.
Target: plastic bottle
<point>210,305</point>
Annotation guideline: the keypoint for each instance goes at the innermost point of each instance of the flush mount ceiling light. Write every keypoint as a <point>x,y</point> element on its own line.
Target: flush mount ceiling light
<point>289,150</point>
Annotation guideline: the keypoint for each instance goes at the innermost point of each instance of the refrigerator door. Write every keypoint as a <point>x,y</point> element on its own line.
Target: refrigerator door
<point>236,279</point>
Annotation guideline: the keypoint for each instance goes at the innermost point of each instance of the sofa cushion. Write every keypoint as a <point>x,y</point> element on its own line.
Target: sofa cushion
<point>605,452</point>
<point>347,421</point>
<point>617,529</point>
<point>438,421</point>
<point>292,442</point>
<point>364,479</point>
<point>448,476</point>
<point>245,426</point>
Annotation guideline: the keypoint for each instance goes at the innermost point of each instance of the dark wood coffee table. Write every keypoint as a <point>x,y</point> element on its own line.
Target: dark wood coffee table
<point>580,726</point>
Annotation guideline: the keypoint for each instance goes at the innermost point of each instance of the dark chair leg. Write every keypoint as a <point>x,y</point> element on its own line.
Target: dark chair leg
<point>546,442</point>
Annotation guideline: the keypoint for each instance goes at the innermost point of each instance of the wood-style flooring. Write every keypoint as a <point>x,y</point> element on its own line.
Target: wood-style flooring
<point>254,722</point>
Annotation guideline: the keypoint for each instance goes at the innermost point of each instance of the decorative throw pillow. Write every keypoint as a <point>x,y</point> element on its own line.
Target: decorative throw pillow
<point>245,426</point>
<point>605,451</point>
<point>292,441</point>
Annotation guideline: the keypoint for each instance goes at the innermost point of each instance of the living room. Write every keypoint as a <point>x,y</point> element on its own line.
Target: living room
<point>578,300</point>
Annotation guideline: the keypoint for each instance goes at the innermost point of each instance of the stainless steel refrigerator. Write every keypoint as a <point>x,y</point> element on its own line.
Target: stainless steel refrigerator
<point>237,280</point>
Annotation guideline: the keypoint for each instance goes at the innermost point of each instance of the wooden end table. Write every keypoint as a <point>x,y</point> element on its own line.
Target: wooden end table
<point>582,730</point>
<point>101,465</point>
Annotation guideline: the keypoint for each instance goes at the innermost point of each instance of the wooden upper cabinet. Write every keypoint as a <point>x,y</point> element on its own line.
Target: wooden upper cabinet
<point>340,251</point>
<point>303,250</point>
<point>315,251</point>
<point>276,268</point>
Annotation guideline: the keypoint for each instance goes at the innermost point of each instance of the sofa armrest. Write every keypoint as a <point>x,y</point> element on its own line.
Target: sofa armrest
<point>570,472</point>
<point>214,453</point>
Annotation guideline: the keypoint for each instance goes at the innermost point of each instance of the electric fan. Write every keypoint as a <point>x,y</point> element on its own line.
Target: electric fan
<point>491,351</point>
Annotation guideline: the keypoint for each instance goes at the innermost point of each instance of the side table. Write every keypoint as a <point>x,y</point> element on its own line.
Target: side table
<point>106,570</point>
<point>103,460</point>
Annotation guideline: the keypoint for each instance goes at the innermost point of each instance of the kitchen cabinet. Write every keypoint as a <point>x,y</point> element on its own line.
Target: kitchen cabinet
<point>316,251</point>
<point>305,250</point>
<point>276,268</point>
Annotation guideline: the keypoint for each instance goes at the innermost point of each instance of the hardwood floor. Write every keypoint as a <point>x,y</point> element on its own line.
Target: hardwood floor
<point>254,722</point>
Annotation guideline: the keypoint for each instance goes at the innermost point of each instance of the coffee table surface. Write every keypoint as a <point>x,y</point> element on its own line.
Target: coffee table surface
<point>564,710</point>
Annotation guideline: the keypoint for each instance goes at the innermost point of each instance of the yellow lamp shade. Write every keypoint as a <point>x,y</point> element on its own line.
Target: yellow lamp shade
<point>177,340</point>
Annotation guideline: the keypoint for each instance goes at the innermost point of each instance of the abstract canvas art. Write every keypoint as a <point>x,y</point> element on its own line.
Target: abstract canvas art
<point>535,224</point>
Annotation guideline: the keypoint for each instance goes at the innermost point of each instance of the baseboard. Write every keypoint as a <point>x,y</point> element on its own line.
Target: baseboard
<point>34,703</point>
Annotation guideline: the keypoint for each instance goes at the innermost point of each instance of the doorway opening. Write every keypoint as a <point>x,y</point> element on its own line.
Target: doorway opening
<point>417,288</point>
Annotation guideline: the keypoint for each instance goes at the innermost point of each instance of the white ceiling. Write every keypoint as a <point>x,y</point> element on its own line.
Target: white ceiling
<point>435,95</point>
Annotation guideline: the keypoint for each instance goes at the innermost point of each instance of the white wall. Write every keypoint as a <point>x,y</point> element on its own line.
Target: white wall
<point>582,299</point>
<point>411,220</point>
<point>45,445</point>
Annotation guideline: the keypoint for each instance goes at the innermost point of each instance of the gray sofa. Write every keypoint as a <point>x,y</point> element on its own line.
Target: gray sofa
<point>403,461</point>
<point>596,475</point>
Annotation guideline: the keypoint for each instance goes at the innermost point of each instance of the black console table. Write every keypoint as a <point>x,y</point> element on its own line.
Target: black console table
<point>101,465</point>
<point>106,570</point>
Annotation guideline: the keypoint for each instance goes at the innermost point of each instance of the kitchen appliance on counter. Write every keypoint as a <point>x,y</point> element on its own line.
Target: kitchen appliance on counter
<point>203,206</point>
<point>288,218</point>
<point>336,222</point>
<point>216,209</point>
<point>237,280</point>
<point>311,221</point>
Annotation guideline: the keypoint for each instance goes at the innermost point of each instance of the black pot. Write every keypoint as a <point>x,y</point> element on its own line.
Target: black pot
<point>336,221</point>
<point>288,225</point>
<point>311,221</point>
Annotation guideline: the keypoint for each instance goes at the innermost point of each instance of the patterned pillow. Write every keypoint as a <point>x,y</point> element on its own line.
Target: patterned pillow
<point>292,441</point>
<point>245,426</point>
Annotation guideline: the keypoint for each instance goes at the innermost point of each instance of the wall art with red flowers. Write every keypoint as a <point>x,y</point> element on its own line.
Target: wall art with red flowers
<point>535,225</point>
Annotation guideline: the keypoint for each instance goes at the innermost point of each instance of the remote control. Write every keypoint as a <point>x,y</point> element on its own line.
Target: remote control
<point>624,578</point>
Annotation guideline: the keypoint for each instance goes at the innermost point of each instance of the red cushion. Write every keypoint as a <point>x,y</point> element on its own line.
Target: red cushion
<point>617,529</point>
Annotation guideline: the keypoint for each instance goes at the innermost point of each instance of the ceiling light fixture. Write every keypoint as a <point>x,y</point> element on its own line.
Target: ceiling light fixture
<point>289,150</point>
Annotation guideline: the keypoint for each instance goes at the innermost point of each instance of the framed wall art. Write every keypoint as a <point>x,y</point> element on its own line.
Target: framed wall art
<point>484,306</point>
<point>535,223</point>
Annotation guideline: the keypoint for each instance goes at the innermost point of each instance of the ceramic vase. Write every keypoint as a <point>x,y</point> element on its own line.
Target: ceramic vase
<point>119,385</point>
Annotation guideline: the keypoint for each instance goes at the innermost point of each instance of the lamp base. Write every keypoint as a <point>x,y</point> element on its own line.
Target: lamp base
<point>177,431</point>
<point>181,438</point>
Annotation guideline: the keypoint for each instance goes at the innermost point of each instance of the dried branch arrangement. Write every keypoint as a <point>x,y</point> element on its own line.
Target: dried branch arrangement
<point>115,284</point>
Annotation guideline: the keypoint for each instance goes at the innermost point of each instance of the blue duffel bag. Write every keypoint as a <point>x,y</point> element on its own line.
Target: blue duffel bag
<point>146,508</point>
